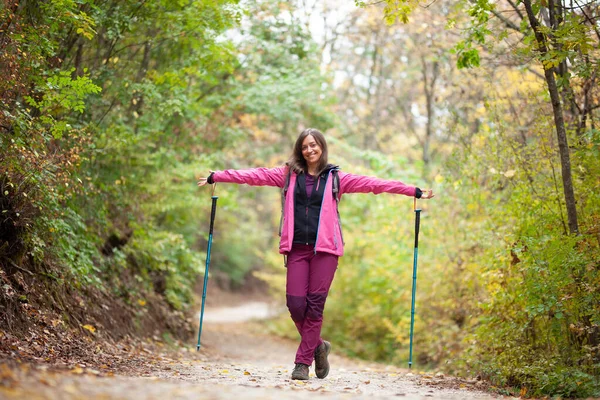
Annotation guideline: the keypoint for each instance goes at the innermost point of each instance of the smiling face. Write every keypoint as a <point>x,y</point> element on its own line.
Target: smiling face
<point>311,151</point>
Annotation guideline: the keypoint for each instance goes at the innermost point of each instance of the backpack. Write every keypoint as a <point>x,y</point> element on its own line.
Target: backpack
<point>335,189</point>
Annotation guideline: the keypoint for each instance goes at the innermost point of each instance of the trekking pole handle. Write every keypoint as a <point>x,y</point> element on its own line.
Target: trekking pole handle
<point>417,223</point>
<point>213,212</point>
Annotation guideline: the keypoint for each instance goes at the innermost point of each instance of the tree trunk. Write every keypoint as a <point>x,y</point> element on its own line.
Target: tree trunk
<point>561,133</point>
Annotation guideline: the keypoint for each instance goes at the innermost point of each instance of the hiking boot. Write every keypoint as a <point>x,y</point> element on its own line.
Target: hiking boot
<point>300,372</point>
<point>321,363</point>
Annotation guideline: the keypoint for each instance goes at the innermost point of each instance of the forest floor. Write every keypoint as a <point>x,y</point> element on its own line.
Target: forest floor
<point>237,359</point>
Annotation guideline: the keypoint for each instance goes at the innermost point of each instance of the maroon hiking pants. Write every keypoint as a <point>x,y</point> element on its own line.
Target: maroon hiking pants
<point>309,277</point>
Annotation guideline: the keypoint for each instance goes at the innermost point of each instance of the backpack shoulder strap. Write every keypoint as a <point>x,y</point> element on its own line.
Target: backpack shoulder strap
<point>336,196</point>
<point>286,185</point>
<point>336,185</point>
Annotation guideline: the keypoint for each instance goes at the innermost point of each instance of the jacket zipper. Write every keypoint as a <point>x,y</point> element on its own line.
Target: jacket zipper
<point>306,226</point>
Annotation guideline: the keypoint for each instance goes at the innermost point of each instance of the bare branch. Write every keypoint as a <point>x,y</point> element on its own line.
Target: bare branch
<point>428,5</point>
<point>587,17</point>
<point>506,21</point>
<point>516,8</point>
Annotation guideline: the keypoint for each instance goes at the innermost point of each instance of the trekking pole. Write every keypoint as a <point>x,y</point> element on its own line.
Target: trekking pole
<point>210,236</point>
<point>414,285</point>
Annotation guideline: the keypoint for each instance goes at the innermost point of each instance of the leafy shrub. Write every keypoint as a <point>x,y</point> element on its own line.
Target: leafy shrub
<point>165,263</point>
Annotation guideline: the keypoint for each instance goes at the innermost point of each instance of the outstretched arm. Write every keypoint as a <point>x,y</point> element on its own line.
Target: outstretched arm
<point>350,183</point>
<point>253,177</point>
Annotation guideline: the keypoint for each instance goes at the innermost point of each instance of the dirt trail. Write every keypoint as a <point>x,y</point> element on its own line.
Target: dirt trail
<point>237,359</point>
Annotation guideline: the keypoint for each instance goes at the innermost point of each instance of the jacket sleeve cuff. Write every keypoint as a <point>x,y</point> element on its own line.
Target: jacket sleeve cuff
<point>418,193</point>
<point>211,178</point>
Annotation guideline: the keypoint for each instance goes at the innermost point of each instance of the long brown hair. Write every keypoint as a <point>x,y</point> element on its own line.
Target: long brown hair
<point>297,163</point>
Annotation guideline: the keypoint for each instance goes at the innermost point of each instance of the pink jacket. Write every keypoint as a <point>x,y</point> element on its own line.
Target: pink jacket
<point>329,233</point>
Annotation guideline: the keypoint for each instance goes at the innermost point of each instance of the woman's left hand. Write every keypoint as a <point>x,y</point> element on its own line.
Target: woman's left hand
<point>427,194</point>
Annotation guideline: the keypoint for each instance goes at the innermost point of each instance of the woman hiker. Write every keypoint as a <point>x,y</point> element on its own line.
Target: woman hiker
<point>311,234</point>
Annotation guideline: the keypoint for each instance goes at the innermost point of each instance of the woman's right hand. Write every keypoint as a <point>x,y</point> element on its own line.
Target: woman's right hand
<point>204,181</point>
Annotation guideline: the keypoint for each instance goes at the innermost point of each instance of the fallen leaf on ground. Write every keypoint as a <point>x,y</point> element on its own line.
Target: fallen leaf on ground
<point>47,382</point>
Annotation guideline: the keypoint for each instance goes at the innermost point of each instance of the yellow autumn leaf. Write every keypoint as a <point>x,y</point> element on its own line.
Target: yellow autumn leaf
<point>77,370</point>
<point>89,328</point>
<point>142,302</point>
<point>246,373</point>
<point>225,371</point>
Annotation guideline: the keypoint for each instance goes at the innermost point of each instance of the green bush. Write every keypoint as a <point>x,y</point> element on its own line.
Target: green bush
<point>164,262</point>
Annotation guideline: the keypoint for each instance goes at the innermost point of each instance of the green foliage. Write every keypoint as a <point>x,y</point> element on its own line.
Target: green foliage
<point>537,321</point>
<point>536,325</point>
<point>126,105</point>
<point>398,12</point>
<point>111,111</point>
<point>466,50</point>
<point>61,94</point>
<point>164,260</point>
<point>467,56</point>
<point>394,10</point>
